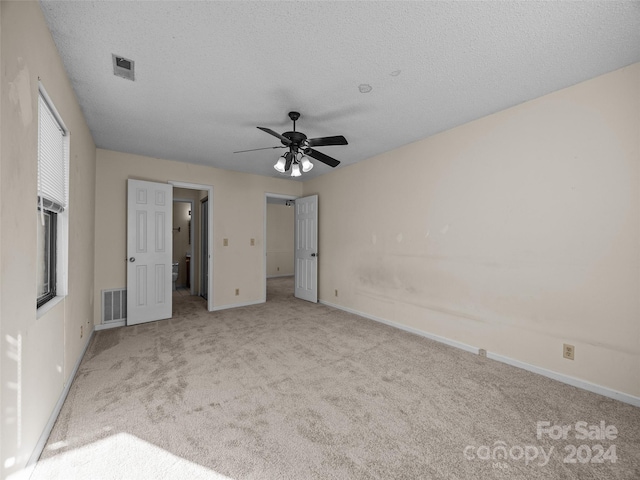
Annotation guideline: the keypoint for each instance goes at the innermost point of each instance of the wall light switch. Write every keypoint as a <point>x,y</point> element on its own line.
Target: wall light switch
<point>253,242</point>
<point>225,242</point>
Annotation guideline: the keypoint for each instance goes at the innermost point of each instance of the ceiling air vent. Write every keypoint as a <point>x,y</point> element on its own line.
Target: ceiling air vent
<point>123,67</point>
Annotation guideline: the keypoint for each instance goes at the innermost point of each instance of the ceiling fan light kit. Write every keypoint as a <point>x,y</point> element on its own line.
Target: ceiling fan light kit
<point>297,158</point>
<point>297,163</point>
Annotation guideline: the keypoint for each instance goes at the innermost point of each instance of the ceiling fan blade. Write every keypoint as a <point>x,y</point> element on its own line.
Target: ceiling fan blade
<point>332,162</point>
<point>289,157</point>
<point>265,148</point>
<point>323,141</point>
<point>285,140</point>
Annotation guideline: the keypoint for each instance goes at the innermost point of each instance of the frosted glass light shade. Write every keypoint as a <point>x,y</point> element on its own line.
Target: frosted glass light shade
<point>295,170</point>
<point>306,164</point>
<point>279,166</point>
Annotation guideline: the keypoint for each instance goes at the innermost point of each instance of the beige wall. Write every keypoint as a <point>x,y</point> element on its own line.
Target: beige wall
<point>515,233</point>
<point>280,237</point>
<point>238,215</point>
<point>38,355</point>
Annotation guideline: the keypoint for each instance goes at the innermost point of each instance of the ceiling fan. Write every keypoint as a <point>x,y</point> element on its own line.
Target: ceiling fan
<point>297,158</point>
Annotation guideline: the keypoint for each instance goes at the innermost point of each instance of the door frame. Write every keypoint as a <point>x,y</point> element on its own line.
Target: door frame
<point>209,190</point>
<point>264,236</point>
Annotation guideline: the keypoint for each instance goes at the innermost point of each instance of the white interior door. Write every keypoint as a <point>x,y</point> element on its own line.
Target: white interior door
<point>149,251</point>
<point>204,243</point>
<point>306,254</point>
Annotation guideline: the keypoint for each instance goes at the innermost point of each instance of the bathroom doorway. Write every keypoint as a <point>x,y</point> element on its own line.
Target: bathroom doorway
<point>189,256</point>
<point>196,192</point>
<point>183,251</point>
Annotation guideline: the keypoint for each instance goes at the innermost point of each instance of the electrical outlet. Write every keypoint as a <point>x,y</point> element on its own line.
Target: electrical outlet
<point>568,351</point>
<point>336,292</point>
<point>278,269</point>
<point>81,330</point>
<point>253,242</point>
<point>225,242</point>
<point>482,352</point>
<point>237,291</point>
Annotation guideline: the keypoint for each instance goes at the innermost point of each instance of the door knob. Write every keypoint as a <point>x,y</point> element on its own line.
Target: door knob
<point>132,259</point>
<point>314,254</point>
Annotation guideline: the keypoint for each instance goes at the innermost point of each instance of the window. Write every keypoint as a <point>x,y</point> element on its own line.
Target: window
<point>46,257</point>
<point>53,193</point>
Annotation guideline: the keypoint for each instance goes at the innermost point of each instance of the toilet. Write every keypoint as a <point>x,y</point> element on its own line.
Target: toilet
<point>174,273</point>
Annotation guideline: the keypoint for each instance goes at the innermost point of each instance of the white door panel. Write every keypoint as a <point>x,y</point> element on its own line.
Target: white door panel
<point>149,251</point>
<point>204,270</point>
<point>306,254</point>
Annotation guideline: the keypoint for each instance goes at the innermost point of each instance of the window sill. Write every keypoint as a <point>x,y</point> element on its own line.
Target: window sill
<point>48,306</point>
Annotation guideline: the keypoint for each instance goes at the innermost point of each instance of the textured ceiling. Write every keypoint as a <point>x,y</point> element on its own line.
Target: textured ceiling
<point>208,73</point>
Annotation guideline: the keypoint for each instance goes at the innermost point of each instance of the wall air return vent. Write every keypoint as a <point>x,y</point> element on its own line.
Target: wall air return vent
<point>114,305</point>
<point>123,67</point>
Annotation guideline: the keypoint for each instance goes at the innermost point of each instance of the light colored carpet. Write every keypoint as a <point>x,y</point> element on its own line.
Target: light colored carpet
<point>293,390</point>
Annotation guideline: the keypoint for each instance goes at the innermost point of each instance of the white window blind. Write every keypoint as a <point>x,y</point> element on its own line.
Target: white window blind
<point>53,177</point>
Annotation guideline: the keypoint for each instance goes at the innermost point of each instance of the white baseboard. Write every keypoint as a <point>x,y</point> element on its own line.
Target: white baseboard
<point>106,326</point>
<point>437,338</point>
<point>278,276</point>
<point>236,305</point>
<point>42,441</point>
<point>575,382</point>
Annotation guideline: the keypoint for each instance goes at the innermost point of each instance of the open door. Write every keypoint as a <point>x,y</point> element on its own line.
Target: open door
<point>306,251</point>
<point>149,251</point>
<point>204,245</point>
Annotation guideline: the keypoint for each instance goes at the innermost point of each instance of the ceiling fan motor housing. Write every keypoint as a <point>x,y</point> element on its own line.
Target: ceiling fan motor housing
<point>297,139</point>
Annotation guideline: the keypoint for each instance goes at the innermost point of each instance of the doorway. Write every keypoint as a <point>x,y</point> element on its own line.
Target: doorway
<point>183,257</point>
<point>279,234</point>
<point>198,265</point>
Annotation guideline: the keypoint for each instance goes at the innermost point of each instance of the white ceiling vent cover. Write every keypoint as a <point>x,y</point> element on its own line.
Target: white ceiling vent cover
<point>123,67</point>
